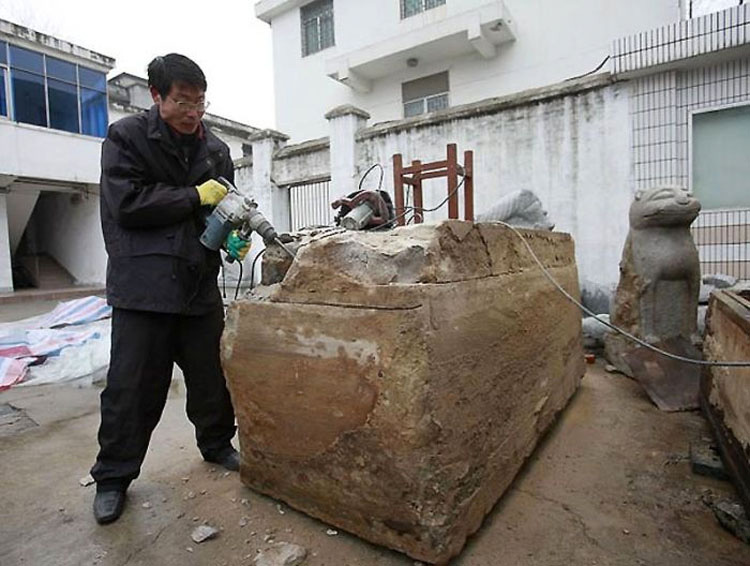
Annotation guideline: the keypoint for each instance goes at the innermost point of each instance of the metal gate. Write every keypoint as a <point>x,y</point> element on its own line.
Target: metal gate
<point>723,241</point>
<point>310,204</point>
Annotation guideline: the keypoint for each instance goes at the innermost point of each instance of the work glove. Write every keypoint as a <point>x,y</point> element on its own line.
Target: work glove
<point>236,246</point>
<point>211,192</point>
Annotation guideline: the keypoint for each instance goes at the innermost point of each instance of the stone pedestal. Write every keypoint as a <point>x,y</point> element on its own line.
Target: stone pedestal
<point>394,383</point>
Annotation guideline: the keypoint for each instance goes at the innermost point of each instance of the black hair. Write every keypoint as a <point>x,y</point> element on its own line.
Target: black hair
<point>171,68</point>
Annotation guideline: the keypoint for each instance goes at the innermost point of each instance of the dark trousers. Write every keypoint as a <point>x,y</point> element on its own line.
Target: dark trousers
<point>145,346</point>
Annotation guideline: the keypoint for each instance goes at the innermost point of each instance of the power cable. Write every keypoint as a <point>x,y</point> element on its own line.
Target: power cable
<point>373,166</point>
<point>628,335</point>
<point>239,281</point>
<point>597,69</point>
<point>252,267</point>
<point>419,211</point>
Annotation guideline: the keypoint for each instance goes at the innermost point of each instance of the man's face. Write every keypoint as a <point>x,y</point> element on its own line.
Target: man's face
<point>182,108</point>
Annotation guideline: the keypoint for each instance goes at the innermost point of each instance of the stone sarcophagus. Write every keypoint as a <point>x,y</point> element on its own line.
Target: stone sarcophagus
<point>394,383</point>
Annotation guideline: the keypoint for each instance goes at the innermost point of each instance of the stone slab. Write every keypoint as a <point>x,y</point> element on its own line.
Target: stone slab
<point>393,384</point>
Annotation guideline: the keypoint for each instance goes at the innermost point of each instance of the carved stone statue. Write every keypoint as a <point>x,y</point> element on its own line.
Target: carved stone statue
<point>657,297</point>
<point>520,208</point>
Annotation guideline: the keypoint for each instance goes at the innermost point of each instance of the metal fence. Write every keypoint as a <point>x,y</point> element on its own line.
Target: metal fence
<point>723,241</point>
<point>310,204</point>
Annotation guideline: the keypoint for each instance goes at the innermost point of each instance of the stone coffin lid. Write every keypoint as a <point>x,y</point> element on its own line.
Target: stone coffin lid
<point>382,268</point>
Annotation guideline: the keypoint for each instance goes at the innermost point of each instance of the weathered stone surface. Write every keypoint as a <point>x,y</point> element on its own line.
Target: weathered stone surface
<point>202,533</point>
<point>519,208</point>
<point>719,280</point>
<point>281,554</point>
<point>657,296</point>
<point>726,390</point>
<point>393,384</point>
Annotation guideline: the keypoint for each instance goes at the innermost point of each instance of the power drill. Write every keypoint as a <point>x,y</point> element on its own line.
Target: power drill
<point>237,212</point>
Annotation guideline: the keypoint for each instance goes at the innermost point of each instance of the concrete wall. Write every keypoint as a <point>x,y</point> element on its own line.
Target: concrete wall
<point>20,206</point>
<point>554,40</point>
<point>570,144</point>
<point>68,229</point>
<point>6,272</point>
<point>42,153</point>
<point>572,150</point>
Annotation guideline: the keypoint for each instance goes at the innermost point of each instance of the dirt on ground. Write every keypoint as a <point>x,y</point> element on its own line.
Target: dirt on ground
<point>610,485</point>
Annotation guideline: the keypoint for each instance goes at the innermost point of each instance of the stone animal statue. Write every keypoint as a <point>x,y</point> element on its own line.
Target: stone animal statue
<point>520,208</point>
<point>657,296</point>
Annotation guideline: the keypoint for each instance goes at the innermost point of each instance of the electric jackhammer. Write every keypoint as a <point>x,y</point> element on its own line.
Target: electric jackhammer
<point>237,212</point>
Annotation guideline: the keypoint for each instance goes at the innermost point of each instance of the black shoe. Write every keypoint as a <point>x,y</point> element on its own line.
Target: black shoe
<point>108,506</point>
<point>227,458</point>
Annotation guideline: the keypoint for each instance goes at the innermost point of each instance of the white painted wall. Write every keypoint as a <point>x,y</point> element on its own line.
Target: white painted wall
<point>6,269</point>
<point>573,152</point>
<point>20,205</point>
<point>555,40</point>
<point>69,230</point>
<point>42,153</point>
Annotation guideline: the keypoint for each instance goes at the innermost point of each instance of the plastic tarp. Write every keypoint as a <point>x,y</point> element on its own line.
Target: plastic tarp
<point>67,344</point>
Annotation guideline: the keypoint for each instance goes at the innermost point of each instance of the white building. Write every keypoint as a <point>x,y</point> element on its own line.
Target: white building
<point>55,106</point>
<point>53,114</point>
<point>397,58</point>
<point>582,101</point>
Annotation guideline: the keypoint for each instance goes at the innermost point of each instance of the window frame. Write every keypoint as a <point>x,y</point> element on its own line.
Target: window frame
<point>691,114</point>
<point>425,98</point>
<point>422,10</point>
<point>318,19</point>
<point>6,83</point>
<point>46,77</point>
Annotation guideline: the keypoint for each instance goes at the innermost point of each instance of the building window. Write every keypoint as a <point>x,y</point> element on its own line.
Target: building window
<point>721,169</point>
<point>93,102</point>
<point>3,97</point>
<point>3,79</point>
<point>317,26</point>
<point>46,91</point>
<point>63,95</point>
<point>27,84</point>
<point>427,94</point>
<point>412,7</point>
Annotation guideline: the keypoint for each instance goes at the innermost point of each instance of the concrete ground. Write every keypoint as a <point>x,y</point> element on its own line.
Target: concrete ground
<point>610,485</point>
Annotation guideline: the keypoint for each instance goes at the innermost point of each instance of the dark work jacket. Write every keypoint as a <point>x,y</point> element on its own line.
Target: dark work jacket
<point>152,218</point>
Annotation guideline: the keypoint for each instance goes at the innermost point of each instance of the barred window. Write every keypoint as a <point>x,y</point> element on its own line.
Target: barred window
<point>412,7</point>
<point>427,94</point>
<point>317,26</point>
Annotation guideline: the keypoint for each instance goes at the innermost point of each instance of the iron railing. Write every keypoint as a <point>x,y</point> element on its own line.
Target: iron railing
<point>310,204</point>
<point>723,241</point>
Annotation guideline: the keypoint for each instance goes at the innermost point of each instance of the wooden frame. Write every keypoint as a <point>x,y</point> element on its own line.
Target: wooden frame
<point>414,174</point>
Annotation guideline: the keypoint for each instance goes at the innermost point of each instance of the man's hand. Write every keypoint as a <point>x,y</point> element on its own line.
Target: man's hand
<point>236,246</point>
<point>211,192</point>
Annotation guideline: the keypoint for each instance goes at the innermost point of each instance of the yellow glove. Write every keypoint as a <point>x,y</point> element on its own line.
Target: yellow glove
<point>211,192</point>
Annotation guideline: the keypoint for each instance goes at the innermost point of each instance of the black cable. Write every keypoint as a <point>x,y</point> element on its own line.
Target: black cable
<point>598,68</point>
<point>252,268</point>
<point>239,281</point>
<point>419,211</point>
<point>548,275</point>
<point>373,166</point>
<point>223,282</point>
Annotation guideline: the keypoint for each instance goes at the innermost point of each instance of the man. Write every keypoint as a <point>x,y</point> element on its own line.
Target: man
<point>159,171</point>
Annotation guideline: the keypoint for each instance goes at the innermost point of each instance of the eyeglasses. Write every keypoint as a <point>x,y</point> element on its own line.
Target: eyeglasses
<point>186,107</point>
